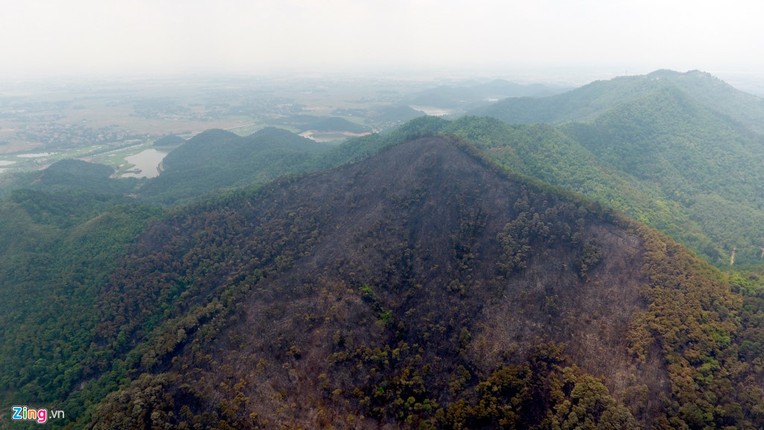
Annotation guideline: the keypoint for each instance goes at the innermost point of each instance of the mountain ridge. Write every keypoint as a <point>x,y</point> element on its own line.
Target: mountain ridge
<point>434,282</point>
<point>587,102</point>
<point>679,151</point>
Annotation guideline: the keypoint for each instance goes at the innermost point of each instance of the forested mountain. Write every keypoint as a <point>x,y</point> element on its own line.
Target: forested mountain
<point>169,141</point>
<point>588,102</point>
<point>72,175</point>
<point>57,249</point>
<point>681,152</point>
<point>218,159</point>
<point>447,295</point>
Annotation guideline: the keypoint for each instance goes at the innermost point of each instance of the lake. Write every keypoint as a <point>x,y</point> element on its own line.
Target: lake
<point>146,163</point>
<point>432,111</point>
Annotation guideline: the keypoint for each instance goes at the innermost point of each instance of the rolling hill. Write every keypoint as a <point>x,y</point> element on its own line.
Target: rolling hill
<point>218,159</point>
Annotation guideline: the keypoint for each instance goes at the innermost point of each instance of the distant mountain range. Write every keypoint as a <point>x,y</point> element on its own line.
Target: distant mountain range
<point>588,102</point>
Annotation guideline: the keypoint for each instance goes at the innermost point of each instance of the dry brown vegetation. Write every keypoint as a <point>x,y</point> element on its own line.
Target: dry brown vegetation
<point>421,288</point>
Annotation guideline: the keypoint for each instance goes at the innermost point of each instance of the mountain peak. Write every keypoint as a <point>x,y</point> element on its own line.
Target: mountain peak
<point>213,134</point>
<point>664,73</point>
<point>424,249</point>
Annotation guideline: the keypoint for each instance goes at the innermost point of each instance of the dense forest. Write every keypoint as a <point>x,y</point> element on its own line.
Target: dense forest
<point>216,159</point>
<point>474,273</point>
<point>680,152</point>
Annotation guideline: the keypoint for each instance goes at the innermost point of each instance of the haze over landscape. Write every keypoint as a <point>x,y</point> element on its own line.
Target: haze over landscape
<point>583,40</point>
<point>381,215</point>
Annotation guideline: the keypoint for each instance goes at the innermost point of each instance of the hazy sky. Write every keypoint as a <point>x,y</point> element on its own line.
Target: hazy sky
<point>121,37</point>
